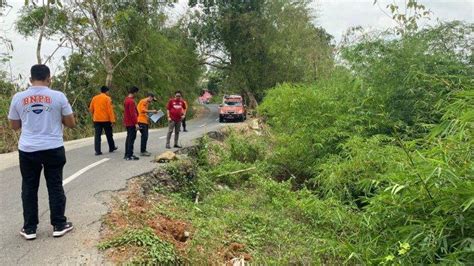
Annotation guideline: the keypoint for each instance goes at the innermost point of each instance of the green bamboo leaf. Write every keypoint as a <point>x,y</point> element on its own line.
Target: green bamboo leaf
<point>467,204</point>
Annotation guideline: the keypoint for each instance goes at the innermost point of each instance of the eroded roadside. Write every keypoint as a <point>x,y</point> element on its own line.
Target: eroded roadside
<point>154,219</point>
<point>134,224</point>
<point>220,203</point>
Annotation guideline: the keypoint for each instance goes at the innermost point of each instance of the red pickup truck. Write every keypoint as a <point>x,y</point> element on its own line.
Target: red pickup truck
<point>232,108</point>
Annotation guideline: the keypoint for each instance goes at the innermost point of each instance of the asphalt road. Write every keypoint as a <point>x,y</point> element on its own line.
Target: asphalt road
<point>89,181</point>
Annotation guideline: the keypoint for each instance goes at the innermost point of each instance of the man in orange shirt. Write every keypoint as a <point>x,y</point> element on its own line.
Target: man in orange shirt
<point>143,121</point>
<point>103,117</point>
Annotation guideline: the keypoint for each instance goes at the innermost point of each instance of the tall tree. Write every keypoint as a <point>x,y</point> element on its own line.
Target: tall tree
<point>37,19</point>
<point>87,25</point>
<point>255,44</point>
<point>91,29</point>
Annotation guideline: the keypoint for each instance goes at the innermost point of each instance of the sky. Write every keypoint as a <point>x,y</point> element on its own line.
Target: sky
<point>336,16</point>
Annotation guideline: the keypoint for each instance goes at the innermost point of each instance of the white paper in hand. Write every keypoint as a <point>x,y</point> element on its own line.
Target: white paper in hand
<point>157,116</point>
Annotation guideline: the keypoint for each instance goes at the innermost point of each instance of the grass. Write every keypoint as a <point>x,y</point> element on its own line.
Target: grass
<point>265,217</point>
<point>246,215</point>
<point>155,250</point>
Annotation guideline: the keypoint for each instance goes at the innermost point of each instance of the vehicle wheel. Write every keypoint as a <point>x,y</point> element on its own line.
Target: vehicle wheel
<point>221,120</point>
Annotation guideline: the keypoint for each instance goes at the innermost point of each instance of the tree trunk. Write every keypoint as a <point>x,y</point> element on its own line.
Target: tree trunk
<point>43,28</point>
<point>109,69</point>
<point>106,55</point>
<point>108,79</point>
<point>252,101</point>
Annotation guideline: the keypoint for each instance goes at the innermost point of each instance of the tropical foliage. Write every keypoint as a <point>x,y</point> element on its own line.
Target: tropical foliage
<point>370,165</point>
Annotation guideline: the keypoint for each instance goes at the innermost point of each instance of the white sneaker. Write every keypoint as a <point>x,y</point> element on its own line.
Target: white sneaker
<point>62,230</point>
<point>28,234</point>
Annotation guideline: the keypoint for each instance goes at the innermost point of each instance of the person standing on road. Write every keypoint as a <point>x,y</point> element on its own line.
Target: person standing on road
<point>40,113</point>
<point>104,117</point>
<point>183,122</point>
<point>130,119</point>
<point>143,121</point>
<point>175,111</point>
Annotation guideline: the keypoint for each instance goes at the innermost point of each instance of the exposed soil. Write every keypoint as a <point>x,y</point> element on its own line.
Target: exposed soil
<point>173,231</point>
<point>132,209</point>
<point>235,250</point>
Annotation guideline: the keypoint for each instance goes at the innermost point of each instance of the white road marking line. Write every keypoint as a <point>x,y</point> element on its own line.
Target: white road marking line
<point>217,119</point>
<point>162,137</point>
<point>83,170</point>
<point>203,125</point>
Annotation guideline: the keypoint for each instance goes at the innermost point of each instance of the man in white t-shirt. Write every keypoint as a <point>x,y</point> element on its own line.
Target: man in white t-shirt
<point>40,113</point>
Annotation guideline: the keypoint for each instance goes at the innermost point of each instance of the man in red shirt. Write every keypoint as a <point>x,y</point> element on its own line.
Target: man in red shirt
<point>130,119</point>
<point>175,110</point>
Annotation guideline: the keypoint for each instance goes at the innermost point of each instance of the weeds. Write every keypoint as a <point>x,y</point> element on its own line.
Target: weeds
<point>156,251</point>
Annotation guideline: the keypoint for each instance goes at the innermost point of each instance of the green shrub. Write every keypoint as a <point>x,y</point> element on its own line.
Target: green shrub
<point>9,139</point>
<point>390,144</point>
<point>245,150</point>
<point>310,122</point>
<point>410,77</point>
<point>358,172</point>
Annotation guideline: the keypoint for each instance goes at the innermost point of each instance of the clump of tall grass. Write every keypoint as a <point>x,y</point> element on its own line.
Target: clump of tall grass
<point>392,138</point>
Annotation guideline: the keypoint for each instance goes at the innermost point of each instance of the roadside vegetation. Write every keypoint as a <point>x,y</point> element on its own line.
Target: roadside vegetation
<point>371,165</point>
<point>9,138</point>
<point>390,141</point>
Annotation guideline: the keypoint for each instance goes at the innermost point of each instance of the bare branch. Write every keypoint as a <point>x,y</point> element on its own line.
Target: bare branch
<point>203,62</point>
<point>121,60</point>
<point>55,50</point>
<point>213,56</point>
